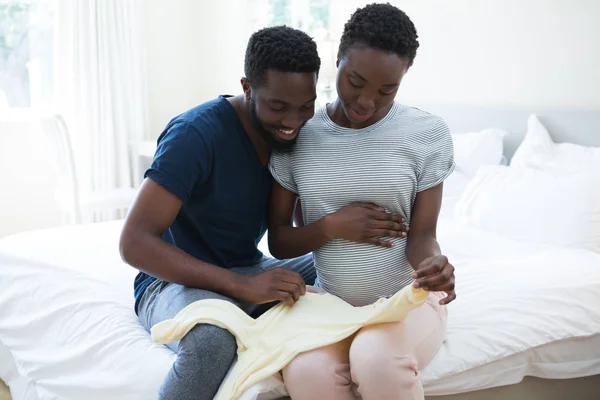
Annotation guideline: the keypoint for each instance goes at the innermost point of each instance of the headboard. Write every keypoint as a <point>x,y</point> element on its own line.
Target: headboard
<point>578,126</point>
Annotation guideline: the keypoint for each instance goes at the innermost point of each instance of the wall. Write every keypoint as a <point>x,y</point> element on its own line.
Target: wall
<point>28,174</point>
<point>506,52</point>
<point>541,53</point>
<point>195,52</point>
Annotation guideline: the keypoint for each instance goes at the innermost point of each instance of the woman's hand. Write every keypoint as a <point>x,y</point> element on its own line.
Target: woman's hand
<point>436,274</point>
<point>365,223</point>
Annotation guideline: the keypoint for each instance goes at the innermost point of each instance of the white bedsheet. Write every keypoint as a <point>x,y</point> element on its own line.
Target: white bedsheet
<point>68,322</point>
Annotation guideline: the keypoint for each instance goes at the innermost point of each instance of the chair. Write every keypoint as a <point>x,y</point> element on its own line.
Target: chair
<point>81,207</point>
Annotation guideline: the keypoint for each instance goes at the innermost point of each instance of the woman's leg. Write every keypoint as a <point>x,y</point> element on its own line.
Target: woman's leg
<point>320,374</point>
<point>385,359</point>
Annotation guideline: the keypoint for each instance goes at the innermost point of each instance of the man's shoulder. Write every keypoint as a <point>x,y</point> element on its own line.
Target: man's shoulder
<point>313,129</point>
<point>213,113</point>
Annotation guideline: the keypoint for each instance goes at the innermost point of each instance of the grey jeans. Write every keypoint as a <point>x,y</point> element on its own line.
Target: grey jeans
<point>206,353</point>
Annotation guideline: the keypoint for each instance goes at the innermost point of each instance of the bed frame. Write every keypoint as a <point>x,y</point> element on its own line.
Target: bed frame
<point>4,392</point>
<point>564,125</point>
<point>535,389</point>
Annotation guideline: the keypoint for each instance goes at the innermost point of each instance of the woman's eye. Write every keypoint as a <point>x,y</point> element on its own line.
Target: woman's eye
<point>356,85</point>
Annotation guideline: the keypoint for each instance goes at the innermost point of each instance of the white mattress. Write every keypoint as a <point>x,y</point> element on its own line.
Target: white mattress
<point>68,324</point>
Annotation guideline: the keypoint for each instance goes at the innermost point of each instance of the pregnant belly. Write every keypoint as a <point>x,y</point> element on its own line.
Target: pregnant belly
<point>361,274</point>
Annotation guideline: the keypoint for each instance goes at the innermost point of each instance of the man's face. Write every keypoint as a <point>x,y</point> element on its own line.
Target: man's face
<point>282,105</point>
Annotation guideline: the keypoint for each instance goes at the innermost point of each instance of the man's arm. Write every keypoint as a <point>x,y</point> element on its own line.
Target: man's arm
<point>142,247</point>
<point>433,272</point>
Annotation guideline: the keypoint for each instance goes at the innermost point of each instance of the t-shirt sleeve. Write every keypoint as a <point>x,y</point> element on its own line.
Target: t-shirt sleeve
<point>437,162</point>
<point>280,166</point>
<point>182,160</point>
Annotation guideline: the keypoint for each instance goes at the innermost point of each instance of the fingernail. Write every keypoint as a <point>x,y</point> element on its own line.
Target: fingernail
<point>414,275</point>
<point>416,284</point>
<point>403,234</point>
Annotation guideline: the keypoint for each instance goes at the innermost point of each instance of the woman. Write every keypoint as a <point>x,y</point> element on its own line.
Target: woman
<point>364,168</point>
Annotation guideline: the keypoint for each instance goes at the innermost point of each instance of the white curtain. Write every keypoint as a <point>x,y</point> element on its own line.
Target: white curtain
<point>100,87</point>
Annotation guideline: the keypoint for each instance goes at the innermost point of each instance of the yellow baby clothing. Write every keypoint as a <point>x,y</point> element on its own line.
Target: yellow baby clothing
<point>267,344</point>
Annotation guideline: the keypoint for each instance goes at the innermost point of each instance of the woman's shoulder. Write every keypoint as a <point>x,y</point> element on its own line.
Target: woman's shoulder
<point>319,121</point>
<point>419,123</point>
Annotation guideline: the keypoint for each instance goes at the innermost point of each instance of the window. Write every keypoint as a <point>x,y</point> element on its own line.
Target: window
<point>311,16</point>
<point>26,53</point>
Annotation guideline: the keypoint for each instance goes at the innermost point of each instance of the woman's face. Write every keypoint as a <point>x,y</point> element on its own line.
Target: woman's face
<point>367,83</point>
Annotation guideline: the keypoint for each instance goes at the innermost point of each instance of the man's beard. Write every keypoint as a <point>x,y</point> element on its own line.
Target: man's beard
<point>269,137</point>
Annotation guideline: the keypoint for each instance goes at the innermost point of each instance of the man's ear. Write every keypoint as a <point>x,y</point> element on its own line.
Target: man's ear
<point>247,89</point>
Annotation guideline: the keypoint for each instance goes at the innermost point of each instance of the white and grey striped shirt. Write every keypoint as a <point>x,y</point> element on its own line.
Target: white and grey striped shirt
<point>387,163</point>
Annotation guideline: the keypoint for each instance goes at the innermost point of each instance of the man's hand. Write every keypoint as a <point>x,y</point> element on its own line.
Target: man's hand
<point>278,284</point>
<point>366,223</point>
<point>436,274</point>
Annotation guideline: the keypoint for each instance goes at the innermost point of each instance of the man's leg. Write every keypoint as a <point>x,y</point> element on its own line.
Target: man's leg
<point>205,353</point>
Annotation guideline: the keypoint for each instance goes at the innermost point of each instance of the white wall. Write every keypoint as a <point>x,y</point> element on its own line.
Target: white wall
<point>506,52</point>
<point>541,53</point>
<point>27,178</point>
<point>195,52</point>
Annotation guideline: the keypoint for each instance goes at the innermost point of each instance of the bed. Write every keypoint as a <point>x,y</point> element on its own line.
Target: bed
<point>67,329</point>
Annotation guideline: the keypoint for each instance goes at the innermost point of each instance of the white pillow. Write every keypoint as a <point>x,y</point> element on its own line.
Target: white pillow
<point>547,207</point>
<point>471,151</point>
<point>538,150</point>
<point>475,149</point>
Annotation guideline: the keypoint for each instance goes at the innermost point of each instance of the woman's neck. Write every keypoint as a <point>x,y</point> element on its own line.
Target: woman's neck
<point>336,113</point>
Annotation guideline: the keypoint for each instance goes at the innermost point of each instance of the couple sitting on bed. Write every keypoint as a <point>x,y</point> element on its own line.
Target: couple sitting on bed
<point>365,168</point>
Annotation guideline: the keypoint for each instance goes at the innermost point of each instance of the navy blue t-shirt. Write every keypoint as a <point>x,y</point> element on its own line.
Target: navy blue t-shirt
<point>205,157</point>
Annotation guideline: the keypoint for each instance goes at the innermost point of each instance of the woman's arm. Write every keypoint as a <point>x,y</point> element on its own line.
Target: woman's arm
<point>359,222</point>
<point>433,272</point>
<point>422,240</point>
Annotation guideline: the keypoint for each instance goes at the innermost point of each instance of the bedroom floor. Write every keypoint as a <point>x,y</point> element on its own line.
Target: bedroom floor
<point>4,393</point>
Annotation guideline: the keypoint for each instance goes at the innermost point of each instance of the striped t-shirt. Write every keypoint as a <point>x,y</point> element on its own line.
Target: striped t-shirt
<point>387,163</point>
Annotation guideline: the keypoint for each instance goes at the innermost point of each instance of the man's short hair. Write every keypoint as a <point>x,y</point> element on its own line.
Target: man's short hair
<point>280,48</point>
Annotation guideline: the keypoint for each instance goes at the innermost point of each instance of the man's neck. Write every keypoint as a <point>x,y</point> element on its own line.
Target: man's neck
<point>242,108</point>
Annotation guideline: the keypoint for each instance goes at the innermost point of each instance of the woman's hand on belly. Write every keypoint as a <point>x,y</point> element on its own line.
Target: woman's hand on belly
<point>365,223</point>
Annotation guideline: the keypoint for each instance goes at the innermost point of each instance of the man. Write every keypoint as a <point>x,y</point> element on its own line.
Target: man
<point>202,208</point>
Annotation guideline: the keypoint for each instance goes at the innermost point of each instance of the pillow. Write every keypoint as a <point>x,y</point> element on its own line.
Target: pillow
<point>454,186</point>
<point>538,150</point>
<point>547,207</point>
<point>471,151</point>
<point>475,149</point>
